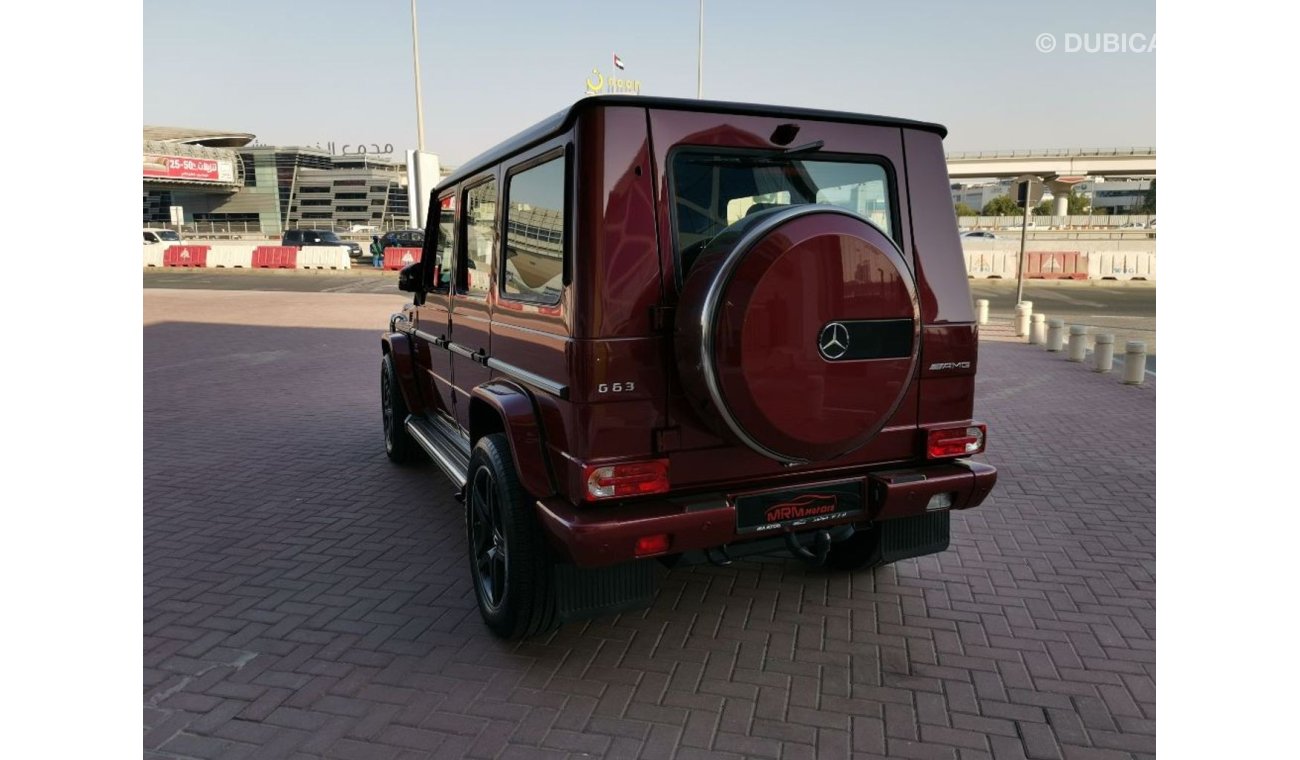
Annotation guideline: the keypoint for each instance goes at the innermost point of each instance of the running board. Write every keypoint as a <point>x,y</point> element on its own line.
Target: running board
<point>447,447</point>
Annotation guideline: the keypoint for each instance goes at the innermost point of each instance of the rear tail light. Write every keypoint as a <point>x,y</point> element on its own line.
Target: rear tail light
<point>614,481</point>
<point>955,442</point>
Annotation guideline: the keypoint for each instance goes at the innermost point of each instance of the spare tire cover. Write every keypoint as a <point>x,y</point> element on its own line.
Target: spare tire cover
<point>797,332</point>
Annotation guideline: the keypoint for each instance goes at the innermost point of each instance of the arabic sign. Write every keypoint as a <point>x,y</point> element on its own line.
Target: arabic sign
<point>598,83</point>
<point>188,167</point>
<point>360,149</point>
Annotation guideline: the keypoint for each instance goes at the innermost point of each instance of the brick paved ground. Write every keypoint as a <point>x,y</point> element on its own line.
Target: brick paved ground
<point>306,599</point>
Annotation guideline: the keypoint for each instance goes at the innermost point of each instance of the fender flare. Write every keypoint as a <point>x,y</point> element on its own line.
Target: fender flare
<point>398,346</point>
<point>506,407</point>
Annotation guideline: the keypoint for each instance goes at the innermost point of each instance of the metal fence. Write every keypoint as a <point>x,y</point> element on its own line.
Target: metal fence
<point>1117,222</point>
<point>253,230</point>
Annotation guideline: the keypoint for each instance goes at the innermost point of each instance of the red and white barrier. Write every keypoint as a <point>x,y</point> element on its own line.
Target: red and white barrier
<point>185,256</point>
<point>1056,265</point>
<point>275,257</point>
<point>397,258</point>
<point>324,257</point>
<point>1110,263</point>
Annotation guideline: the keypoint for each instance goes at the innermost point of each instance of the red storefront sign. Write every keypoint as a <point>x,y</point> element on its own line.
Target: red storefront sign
<point>188,167</point>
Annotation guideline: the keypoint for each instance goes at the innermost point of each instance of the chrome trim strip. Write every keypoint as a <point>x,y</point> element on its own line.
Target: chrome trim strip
<point>713,295</point>
<point>437,454</point>
<point>523,375</point>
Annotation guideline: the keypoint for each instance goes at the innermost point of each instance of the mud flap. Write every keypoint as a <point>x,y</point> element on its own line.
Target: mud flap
<point>917,536</point>
<point>583,593</point>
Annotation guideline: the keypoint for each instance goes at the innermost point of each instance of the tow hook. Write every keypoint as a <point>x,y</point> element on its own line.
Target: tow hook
<point>722,559</point>
<point>821,548</point>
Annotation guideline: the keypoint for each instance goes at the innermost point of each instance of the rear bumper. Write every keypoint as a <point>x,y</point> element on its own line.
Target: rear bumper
<point>597,536</point>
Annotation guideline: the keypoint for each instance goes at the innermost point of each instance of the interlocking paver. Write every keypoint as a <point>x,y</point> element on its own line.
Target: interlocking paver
<point>303,598</point>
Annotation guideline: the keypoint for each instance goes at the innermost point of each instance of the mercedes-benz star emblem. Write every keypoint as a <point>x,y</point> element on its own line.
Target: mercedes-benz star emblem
<point>833,341</point>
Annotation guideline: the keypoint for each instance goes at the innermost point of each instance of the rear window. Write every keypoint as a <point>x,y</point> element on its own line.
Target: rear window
<point>713,189</point>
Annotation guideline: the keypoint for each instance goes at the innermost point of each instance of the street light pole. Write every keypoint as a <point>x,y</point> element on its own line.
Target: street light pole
<point>699,61</point>
<point>419,103</point>
<point>1028,180</point>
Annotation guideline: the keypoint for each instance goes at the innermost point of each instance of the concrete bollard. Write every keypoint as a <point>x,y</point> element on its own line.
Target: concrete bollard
<point>1135,362</point>
<point>1055,334</point>
<point>1022,320</point>
<point>1029,306</point>
<point>1078,348</point>
<point>1037,329</point>
<point>1103,353</point>
<point>982,311</point>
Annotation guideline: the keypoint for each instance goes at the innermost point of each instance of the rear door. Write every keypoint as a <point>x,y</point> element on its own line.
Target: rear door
<point>433,317</point>
<point>471,299</point>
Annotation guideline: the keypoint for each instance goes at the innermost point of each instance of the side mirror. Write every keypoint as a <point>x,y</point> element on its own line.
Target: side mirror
<point>411,277</point>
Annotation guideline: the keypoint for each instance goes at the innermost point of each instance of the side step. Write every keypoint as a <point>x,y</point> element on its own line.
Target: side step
<point>445,445</point>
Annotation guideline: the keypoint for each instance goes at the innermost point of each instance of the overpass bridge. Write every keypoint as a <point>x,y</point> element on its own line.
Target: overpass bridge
<point>1059,168</point>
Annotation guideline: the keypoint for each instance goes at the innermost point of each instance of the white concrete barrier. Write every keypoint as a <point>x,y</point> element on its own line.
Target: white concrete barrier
<point>324,257</point>
<point>1037,329</point>
<point>981,310</point>
<point>1023,312</point>
<point>1078,348</point>
<point>1122,265</point>
<point>1135,362</point>
<point>153,255</point>
<point>1103,353</point>
<point>231,255</point>
<point>1055,334</point>
<point>990,264</point>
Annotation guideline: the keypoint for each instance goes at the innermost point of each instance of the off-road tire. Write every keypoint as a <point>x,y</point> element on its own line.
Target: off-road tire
<point>499,515</point>
<point>398,443</point>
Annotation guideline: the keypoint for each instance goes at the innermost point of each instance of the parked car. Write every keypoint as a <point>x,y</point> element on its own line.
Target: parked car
<point>319,237</point>
<point>603,355</point>
<point>403,239</point>
<point>978,235</point>
<point>155,236</point>
<point>1133,226</point>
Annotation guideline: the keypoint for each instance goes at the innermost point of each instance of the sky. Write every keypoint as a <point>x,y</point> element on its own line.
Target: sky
<point>307,73</point>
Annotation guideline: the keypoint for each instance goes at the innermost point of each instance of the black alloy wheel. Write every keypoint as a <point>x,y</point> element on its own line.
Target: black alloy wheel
<point>487,539</point>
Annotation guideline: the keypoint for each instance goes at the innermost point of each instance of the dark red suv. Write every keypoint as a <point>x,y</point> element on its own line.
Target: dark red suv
<point>653,331</point>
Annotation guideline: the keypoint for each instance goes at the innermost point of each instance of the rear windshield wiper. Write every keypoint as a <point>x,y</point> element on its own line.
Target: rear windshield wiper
<point>805,148</point>
<point>779,158</point>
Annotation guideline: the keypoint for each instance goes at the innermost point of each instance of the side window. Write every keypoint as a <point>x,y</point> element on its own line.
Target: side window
<point>480,237</point>
<point>444,244</point>
<point>534,251</point>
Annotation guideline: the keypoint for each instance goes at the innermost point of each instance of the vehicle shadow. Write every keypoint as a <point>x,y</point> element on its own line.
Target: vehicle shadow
<point>282,548</point>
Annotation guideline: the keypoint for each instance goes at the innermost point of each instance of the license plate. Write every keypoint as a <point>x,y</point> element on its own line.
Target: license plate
<point>798,507</point>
